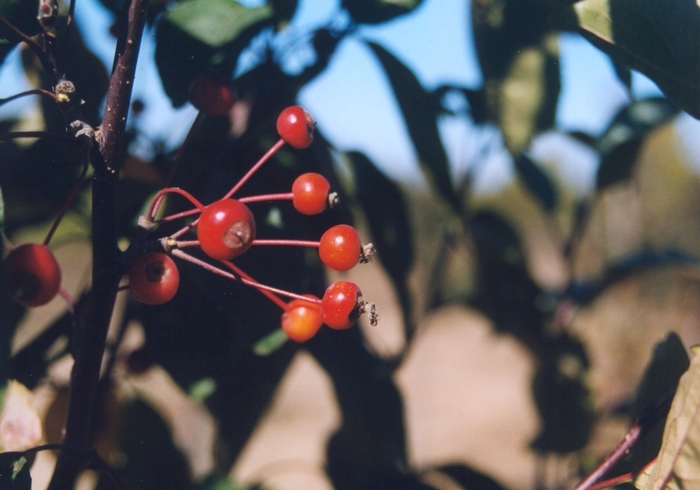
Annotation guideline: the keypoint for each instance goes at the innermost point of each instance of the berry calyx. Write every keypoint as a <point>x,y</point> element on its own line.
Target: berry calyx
<point>226,229</point>
<point>340,247</point>
<point>154,278</point>
<point>211,94</point>
<point>296,127</point>
<point>33,275</point>
<point>310,193</point>
<point>302,319</point>
<point>341,305</point>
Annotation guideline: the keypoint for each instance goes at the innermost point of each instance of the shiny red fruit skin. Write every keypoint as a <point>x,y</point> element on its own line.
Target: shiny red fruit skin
<point>340,307</point>
<point>226,229</point>
<point>211,94</point>
<point>340,247</point>
<point>154,278</point>
<point>310,193</point>
<point>296,127</point>
<point>33,275</point>
<point>302,319</point>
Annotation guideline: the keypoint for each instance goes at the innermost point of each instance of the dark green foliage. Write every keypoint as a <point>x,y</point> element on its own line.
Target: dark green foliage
<point>14,472</point>
<point>420,114</point>
<point>378,11</point>
<point>620,144</point>
<point>537,182</point>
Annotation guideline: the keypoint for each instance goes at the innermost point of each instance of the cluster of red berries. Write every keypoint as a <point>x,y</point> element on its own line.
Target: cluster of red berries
<point>225,229</point>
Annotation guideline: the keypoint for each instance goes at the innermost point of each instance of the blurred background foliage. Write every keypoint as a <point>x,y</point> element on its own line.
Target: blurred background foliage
<point>439,246</point>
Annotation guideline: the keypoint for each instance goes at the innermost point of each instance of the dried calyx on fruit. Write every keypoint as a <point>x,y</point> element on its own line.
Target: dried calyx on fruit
<point>154,278</point>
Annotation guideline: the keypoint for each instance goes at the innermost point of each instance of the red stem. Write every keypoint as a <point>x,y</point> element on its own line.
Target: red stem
<point>287,196</point>
<point>156,201</point>
<point>43,92</point>
<point>245,276</point>
<point>255,168</point>
<point>611,459</point>
<point>294,243</point>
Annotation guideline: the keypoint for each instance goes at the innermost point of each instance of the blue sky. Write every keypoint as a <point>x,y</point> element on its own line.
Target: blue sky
<point>354,105</point>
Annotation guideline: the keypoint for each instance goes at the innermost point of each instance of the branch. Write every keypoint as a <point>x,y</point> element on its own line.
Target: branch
<point>91,331</point>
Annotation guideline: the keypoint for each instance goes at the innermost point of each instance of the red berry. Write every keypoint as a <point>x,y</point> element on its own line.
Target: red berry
<point>154,278</point>
<point>310,192</point>
<point>226,229</point>
<point>296,127</point>
<point>341,305</point>
<point>211,94</point>
<point>302,319</point>
<point>33,275</point>
<point>340,247</point>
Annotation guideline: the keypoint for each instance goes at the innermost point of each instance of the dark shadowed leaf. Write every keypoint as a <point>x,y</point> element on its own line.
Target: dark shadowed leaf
<point>389,225</point>
<point>21,14</point>
<point>562,397</point>
<point>656,37</point>
<point>624,74</point>
<point>536,181</point>
<point>676,466</point>
<point>216,22</point>
<point>620,144</point>
<point>284,9</point>
<point>420,113</point>
<point>469,478</point>
<point>14,472</point>
<point>652,400</point>
<point>377,11</point>
<point>519,60</point>
<point>476,100</point>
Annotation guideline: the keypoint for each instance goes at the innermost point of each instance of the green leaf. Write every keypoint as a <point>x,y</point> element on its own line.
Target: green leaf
<point>420,113</point>
<point>202,389</point>
<point>216,22</point>
<point>656,37</point>
<point>537,182</point>
<point>270,343</point>
<point>14,472</point>
<point>519,59</point>
<point>219,483</point>
<point>377,11</point>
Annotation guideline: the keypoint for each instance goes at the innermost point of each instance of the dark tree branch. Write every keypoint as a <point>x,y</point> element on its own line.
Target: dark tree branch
<point>90,337</point>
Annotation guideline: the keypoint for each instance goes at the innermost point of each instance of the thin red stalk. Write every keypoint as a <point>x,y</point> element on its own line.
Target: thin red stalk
<point>181,151</point>
<point>287,196</point>
<point>38,91</point>
<point>155,202</point>
<point>38,50</point>
<point>622,478</point>
<point>245,276</point>
<point>255,168</point>
<point>68,201</point>
<point>611,459</point>
<point>184,229</point>
<point>293,243</point>
<point>184,214</point>
<point>187,243</point>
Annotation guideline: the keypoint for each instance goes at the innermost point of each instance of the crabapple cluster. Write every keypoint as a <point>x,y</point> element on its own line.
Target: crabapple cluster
<point>225,229</point>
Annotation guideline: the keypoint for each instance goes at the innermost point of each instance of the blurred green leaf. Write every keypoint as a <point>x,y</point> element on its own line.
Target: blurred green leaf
<point>270,343</point>
<point>202,389</point>
<point>217,482</point>
<point>536,181</point>
<point>377,11</point>
<point>420,113</point>
<point>216,22</point>
<point>519,59</point>
<point>621,142</point>
<point>656,37</point>
<point>14,472</point>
